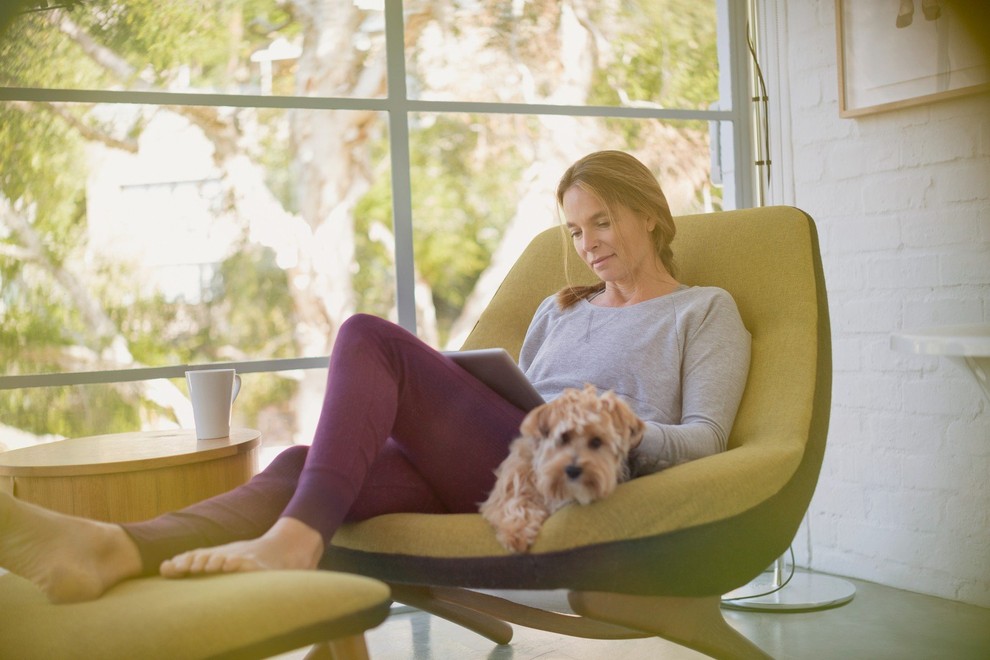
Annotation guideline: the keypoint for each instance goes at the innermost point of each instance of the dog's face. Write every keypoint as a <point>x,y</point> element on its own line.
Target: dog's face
<point>582,441</point>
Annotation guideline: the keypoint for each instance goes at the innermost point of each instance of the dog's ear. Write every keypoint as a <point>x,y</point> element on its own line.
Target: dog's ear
<point>624,418</point>
<point>636,430</point>
<point>538,423</point>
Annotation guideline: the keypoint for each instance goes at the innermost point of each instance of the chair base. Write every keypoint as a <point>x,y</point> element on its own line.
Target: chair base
<point>696,623</point>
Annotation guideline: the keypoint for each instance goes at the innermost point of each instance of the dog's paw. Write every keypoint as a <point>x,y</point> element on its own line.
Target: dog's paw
<point>518,538</point>
<point>517,524</point>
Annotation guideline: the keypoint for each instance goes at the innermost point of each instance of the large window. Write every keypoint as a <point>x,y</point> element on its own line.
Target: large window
<point>225,181</point>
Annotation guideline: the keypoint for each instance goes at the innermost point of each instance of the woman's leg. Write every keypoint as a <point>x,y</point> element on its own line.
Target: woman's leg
<point>393,485</point>
<point>249,511</point>
<point>246,512</point>
<point>402,429</point>
<point>385,383</point>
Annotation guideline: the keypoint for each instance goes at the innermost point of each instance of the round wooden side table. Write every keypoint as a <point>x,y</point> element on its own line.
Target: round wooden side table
<point>125,477</point>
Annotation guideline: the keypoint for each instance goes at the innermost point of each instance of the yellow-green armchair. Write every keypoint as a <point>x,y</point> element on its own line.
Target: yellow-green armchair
<point>655,557</point>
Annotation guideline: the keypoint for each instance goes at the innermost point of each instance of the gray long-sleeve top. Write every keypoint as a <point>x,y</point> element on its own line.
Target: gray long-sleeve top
<point>680,361</point>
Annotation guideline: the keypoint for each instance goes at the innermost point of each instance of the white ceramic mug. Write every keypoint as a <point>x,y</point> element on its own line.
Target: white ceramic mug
<point>212,392</point>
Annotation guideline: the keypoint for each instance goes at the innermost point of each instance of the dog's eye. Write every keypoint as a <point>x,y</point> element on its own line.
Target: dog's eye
<point>565,438</point>
<point>595,442</point>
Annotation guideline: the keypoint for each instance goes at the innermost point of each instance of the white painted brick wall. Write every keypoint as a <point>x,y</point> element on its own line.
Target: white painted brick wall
<point>902,202</point>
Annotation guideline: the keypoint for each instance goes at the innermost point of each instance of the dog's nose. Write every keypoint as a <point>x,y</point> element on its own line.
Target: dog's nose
<point>572,471</point>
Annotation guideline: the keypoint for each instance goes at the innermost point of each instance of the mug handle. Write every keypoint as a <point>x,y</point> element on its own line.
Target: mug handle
<point>237,387</point>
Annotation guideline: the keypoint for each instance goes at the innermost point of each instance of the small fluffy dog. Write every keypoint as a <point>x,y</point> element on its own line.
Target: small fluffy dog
<point>573,449</point>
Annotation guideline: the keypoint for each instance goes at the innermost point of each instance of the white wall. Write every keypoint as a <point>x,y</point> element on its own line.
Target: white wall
<point>902,202</point>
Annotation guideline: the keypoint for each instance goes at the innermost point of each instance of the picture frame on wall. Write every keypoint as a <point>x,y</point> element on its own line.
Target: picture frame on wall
<point>899,54</point>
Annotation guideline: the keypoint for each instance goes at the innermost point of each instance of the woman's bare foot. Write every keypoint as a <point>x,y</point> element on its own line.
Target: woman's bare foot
<point>289,544</point>
<point>70,559</point>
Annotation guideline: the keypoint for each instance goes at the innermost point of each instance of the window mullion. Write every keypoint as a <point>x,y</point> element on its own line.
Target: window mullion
<point>398,123</point>
<point>736,14</point>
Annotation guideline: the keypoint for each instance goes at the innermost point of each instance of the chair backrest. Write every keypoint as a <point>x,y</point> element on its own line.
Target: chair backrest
<point>768,260</point>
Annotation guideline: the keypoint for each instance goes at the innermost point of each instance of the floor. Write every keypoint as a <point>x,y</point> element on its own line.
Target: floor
<point>879,623</point>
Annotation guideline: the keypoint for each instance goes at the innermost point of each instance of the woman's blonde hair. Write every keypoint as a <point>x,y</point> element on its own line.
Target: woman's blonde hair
<point>616,178</point>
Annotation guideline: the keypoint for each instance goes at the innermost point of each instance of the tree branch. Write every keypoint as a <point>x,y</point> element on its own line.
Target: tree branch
<point>88,132</point>
<point>219,131</point>
<point>104,330</point>
<point>100,54</point>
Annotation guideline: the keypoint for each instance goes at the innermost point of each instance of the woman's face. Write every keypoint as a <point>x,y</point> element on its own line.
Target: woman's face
<point>621,251</point>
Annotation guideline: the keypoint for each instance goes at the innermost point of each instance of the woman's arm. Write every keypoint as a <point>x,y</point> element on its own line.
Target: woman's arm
<point>714,368</point>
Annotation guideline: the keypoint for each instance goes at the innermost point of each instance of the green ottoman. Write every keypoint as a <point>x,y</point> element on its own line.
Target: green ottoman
<point>241,615</point>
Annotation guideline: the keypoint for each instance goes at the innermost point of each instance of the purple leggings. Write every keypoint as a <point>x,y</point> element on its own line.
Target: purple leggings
<point>403,429</point>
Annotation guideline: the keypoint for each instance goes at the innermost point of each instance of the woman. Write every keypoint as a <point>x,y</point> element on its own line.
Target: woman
<point>396,413</point>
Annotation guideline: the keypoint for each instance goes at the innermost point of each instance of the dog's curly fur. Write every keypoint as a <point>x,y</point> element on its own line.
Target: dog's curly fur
<point>573,449</point>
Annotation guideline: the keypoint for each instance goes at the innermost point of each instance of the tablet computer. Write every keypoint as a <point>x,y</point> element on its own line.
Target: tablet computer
<point>496,369</point>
